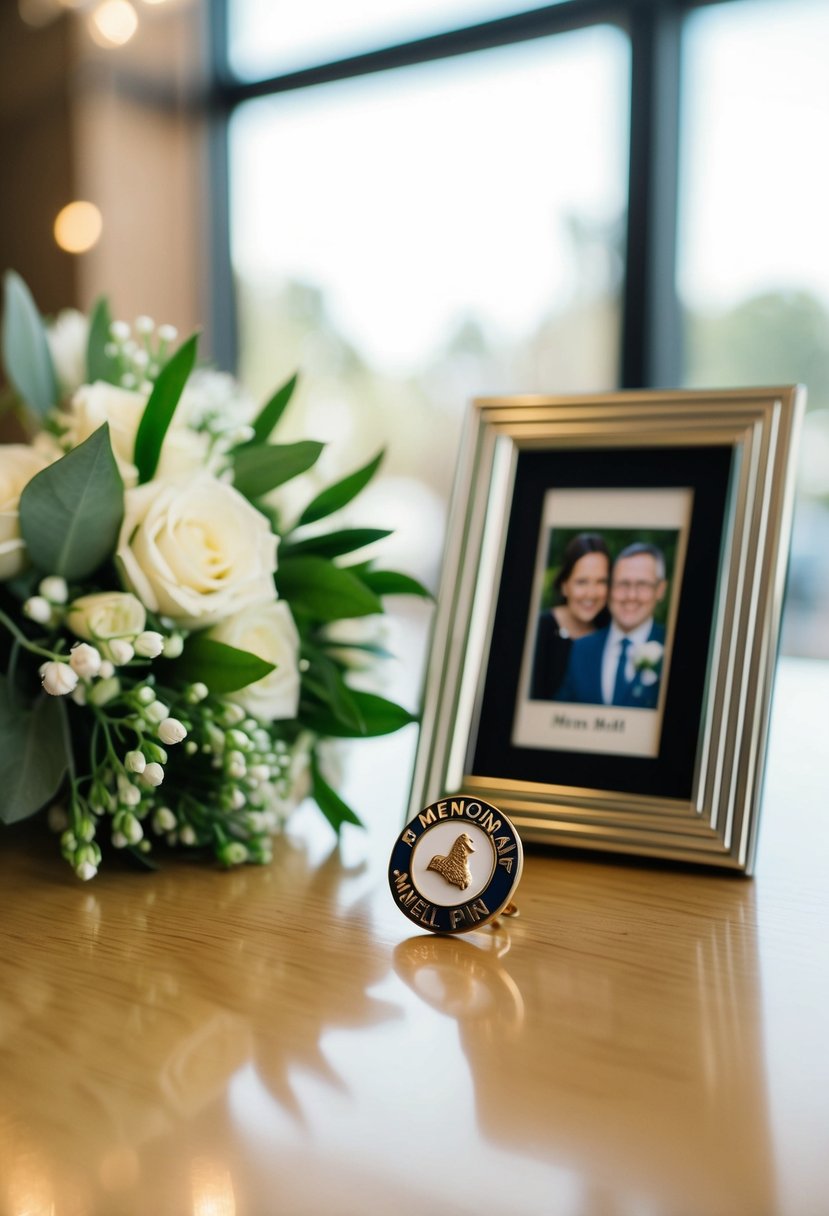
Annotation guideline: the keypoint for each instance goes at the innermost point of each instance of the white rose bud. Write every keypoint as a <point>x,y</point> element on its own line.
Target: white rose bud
<point>119,651</point>
<point>157,711</point>
<point>128,794</point>
<point>38,609</point>
<point>173,646</point>
<point>119,840</point>
<point>78,694</point>
<point>106,615</point>
<point>149,644</point>
<point>105,690</point>
<point>58,679</point>
<point>164,820</point>
<point>85,660</point>
<point>187,835</point>
<point>106,670</point>
<point>135,762</point>
<point>85,871</point>
<point>171,731</point>
<point>197,692</point>
<point>236,765</point>
<point>153,774</point>
<point>54,589</point>
<point>132,829</point>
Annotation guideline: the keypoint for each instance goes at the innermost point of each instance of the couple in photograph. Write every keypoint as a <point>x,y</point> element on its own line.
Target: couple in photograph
<point>600,644</point>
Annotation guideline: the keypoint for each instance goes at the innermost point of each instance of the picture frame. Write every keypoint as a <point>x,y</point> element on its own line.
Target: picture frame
<point>691,496</point>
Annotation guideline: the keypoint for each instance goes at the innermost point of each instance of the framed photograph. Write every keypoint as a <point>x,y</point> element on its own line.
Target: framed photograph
<point>606,634</point>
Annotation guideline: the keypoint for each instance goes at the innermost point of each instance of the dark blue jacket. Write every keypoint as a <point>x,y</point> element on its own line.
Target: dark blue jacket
<point>582,684</point>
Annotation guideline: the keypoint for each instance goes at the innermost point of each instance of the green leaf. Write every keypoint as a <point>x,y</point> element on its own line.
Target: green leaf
<point>71,512</point>
<point>26,352</point>
<point>159,410</point>
<point>335,544</point>
<point>390,582</point>
<point>100,365</point>
<point>380,717</point>
<point>324,681</point>
<point>32,754</point>
<point>329,802</point>
<point>270,413</point>
<point>340,493</point>
<point>324,591</point>
<point>222,668</point>
<point>257,470</point>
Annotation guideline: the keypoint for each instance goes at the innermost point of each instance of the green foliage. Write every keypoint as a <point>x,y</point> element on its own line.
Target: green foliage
<point>257,470</point>
<point>390,582</point>
<point>221,667</point>
<point>100,365</point>
<point>380,717</point>
<point>324,682</point>
<point>71,512</point>
<point>272,411</point>
<point>33,758</point>
<point>341,493</point>
<point>313,586</point>
<point>26,354</point>
<point>334,544</point>
<point>329,802</point>
<point>159,410</point>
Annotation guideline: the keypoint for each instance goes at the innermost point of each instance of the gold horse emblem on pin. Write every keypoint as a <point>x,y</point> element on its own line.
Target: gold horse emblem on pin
<point>454,867</point>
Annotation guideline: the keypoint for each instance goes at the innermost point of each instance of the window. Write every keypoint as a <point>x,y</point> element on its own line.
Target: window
<point>753,283</point>
<point>541,201</point>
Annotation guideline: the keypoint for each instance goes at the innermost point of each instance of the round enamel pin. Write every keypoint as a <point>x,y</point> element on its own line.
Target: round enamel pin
<point>456,865</point>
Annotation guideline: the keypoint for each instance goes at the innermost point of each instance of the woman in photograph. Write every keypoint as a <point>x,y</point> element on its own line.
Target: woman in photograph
<point>580,607</point>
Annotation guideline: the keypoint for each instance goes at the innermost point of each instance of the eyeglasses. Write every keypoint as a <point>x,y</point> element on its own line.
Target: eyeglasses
<point>638,588</point>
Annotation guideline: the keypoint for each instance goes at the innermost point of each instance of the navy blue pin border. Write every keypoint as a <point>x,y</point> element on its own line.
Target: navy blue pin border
<point>495,896</point>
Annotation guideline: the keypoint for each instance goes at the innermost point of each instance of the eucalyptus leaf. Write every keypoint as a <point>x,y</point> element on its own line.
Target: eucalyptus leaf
<point>314,586</point>
<point>33,758</point>
<point>380,717</point>
<point>221,667</point>
<point>341,493</point>
<point>257,470</point>
<point>329,801</point>
<point>71,512</point>
<point>100,365</point>
<point>26,354</point>
<point>159,410</point>
<point>335,544</point>
<point>272,411</point>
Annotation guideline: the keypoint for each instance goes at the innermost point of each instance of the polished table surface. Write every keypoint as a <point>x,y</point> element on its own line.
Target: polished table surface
<point>644,1039</point>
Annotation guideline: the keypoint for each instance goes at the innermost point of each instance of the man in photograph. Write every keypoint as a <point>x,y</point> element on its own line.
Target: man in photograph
<point>622,664</point>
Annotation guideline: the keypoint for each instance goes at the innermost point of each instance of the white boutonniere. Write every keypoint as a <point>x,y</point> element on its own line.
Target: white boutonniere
<point>646,658</point>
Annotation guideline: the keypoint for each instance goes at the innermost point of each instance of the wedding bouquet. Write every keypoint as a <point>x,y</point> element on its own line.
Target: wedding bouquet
<point>174,651</point>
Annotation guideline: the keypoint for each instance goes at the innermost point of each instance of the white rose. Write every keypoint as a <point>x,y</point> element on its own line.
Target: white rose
<point>94,404</point>
<point>106,616</point>
<point>647,654</point>
<point>18,465</point>
<point>196,551</point>
<point>269,632</point>
<point>68,337</point>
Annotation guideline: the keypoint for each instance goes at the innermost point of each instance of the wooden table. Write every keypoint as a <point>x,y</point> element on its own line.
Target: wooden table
<point>643,1040</point>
